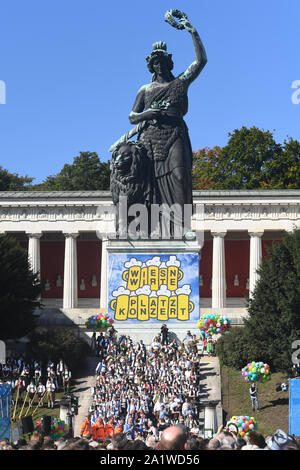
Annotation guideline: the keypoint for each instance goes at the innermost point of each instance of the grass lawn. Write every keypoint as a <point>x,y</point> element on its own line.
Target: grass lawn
<point>274,406</point>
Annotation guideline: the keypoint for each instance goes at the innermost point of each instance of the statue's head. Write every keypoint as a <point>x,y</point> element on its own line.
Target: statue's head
<point>161,56</point>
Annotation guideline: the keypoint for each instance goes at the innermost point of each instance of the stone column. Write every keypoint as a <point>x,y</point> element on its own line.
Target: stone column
<point>34,252</point>
<point>104,268</point>
<point>218,271</point>
<point>255,259</point>
<point>70,296</point>
<point>210,418</point>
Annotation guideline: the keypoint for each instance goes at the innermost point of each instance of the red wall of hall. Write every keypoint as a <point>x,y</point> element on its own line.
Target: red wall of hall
<point>237,261</point>
<point>88,263</point>
<point>52,264</point>
<point>237,254</point>
<point>206,268</point>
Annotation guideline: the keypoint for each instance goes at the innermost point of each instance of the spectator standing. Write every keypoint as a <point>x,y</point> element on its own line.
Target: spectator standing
<point>50,389</point>
<point>66,380</point>
<point>164,335</point>
<point>253,390</point>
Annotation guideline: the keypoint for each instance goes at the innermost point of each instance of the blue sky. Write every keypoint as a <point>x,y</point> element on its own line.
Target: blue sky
<point>72,69</point>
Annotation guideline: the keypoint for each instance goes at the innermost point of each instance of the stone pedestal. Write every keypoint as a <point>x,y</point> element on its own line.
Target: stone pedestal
<point>210,418</point>
<point>173,300</point>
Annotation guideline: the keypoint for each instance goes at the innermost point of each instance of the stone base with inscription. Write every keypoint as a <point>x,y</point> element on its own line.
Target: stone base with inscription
<point>153,282</point>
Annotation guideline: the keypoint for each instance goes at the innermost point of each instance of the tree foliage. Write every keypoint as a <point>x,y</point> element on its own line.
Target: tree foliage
<point>19,290</point>
<point>86,173</point>
<point>283,171</point>
<point>56,344</point>
<point>13,182</point>
<point>204,171</point>
<point>274,321</point>
<point>252,159</point>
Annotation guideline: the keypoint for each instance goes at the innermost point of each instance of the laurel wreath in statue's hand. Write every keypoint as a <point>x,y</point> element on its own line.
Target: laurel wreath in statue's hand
<point>183,23</point>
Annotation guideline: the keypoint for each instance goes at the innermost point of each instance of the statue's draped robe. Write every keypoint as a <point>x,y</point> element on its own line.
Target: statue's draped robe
<point>167,143</point>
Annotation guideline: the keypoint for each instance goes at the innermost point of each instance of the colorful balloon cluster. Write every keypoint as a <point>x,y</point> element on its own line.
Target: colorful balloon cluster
<point>256,372</point>
<point>245,424</point>
<point>211,324</point>
<point>99,322</point>
<point>58,428</point>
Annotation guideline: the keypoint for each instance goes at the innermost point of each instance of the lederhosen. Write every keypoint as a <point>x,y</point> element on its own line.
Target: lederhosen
<point>66,378</point>
<point>41,391</point>
<point>50,392</point>
<point>31,391</point>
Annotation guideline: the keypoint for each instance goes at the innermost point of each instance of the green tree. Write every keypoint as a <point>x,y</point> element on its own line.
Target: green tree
<point>86,173</point>
<point>252,159</point>
<point>283,171</point>
<point>232,350</point>
<point>274,321</point>
<point>243,162</point>
<point>204,171</point>
<point>13,182</point>
<point>19,290</point>
<point>56,344</point>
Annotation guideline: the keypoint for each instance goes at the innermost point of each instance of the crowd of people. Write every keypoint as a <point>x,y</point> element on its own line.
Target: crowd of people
<point>142,391</point>
<point>174,438</point>
<point>28,378</point>
<point>143,399</point>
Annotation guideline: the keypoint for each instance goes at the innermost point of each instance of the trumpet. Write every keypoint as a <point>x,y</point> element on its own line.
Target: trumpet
<point>30,403</point>
<point>15,409</point>
<point>23,405</point>
<point>40,401</point>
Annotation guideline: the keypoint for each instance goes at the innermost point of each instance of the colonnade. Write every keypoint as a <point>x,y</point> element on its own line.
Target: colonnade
<point>70,284</point>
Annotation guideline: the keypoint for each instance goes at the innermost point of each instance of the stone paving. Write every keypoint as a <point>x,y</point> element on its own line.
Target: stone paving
<point>83,385</point>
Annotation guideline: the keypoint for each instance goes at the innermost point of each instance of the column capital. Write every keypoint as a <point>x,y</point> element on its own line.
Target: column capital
<point>103,236</point>
<point>34,235</point>
<point>220,234</point>
<point>71,234</point>
<point>253,233</point>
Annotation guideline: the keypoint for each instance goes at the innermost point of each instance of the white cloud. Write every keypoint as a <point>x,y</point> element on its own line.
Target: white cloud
<point>145,290</point>
<point>155,261</point>
<point>173,261</point>
<point>164,291</point>
<point>120,291</point>
<point>186,289</point>
<point>133,262</point>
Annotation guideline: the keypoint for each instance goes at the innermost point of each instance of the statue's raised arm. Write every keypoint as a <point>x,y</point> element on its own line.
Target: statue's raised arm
<point>162,146</point>
<point>195,68</point>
